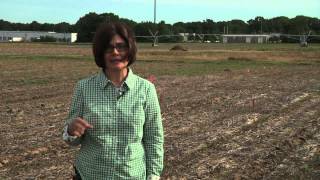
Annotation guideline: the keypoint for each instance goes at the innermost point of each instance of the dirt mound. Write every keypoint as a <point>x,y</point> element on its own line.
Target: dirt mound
<point>178,48</point>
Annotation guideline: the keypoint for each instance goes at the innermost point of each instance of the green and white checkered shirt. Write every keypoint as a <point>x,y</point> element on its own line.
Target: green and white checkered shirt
<point>126,141</point>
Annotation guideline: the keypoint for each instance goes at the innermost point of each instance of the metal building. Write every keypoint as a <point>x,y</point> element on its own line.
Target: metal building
<point>28,36</point>
<point>245,38</point>
<point>184,36</point>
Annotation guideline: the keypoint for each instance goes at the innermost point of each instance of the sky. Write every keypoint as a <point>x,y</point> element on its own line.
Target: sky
<point>170,11</point>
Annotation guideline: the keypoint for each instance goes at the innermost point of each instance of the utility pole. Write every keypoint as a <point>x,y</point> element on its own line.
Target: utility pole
<point>155,11</point>
<point>155,38</point>
<point>260,25</point>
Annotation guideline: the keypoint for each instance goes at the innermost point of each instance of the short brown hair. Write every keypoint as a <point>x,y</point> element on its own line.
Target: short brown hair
<point>103,37</point>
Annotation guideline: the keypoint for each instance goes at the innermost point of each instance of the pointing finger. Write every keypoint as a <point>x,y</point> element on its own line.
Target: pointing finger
<point>76,133</point>
<point>84,123</point>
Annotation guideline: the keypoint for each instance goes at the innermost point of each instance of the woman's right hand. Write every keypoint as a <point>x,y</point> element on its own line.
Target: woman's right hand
<point>78,127</point>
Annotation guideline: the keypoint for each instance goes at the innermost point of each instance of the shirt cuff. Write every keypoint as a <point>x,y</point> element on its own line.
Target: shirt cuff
<point>153,177</point>
<point>66,136</point>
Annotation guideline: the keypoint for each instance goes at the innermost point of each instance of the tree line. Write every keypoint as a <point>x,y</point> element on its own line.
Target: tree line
<point>86,26</point>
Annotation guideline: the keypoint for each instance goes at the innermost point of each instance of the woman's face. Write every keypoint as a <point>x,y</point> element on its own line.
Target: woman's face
<point>116,54</point>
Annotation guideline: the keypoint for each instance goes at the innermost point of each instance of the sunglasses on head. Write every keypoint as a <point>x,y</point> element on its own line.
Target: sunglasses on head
<point>121,47</point>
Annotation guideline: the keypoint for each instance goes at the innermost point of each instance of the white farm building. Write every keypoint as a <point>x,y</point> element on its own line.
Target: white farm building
<point>245,38</point>
<point>18,36</point>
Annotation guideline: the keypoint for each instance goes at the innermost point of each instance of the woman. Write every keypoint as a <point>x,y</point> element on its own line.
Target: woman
<point>115,115</point>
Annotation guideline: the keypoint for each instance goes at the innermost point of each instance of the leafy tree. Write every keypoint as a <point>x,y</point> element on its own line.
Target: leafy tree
<point>209,27</point>
<point>164,28</point>
<point>5,25</point>
<point>87,25</point>
<point>279,25</point>
<point>222,26</point>
<point>194,27</point>
<point>143,28</point>
<point>47,27</point>
<point>300,25</point>
<point>62,27</point>
<point>178,27</point>
<point>34,26</point>
<point>256,25</point>
<point>238,27</point>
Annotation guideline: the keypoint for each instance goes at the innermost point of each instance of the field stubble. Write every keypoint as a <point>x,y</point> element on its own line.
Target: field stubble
<point>225,116</point>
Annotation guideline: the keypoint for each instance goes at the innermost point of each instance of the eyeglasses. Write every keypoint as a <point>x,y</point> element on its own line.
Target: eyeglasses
<point>121,48</point>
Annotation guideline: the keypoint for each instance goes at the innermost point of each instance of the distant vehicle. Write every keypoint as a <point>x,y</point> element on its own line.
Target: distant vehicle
<point>16,39</point>
<point>208,41</point>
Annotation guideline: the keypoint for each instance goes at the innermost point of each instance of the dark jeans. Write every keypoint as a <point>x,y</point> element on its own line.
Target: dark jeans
<point>77,175</point>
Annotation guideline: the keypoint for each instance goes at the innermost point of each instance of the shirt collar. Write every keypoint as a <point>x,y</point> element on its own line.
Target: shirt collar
<point>129,81</point>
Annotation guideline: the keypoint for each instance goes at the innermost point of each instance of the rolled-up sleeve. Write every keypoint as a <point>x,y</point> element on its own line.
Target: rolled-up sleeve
<point>76,110</point>
<point>153,138</point>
